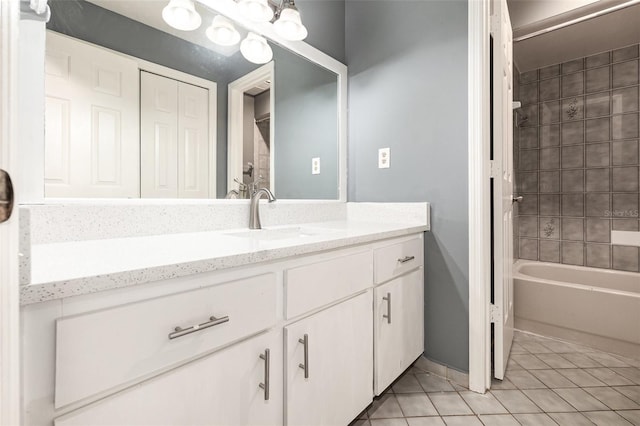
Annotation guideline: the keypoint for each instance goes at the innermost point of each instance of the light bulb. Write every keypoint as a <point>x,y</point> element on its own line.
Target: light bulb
<point>256,10</point>
<point>222,32</point>
<point>289,25</point>
<point>256,49</point>
<point>182,15</point>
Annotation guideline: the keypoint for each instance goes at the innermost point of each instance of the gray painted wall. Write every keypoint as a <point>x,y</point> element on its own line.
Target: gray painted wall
<point>408,91</point>
<point>306,126</point>
<point>325,21</point>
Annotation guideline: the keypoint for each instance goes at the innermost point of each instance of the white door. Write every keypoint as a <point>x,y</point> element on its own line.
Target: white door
<point>91,121</point>
<point>158,136</point>
<point>338,364</point>
<point>221,389</point>
<point>193,141</point>
<point>502,177</point>
<point>9,287</point>
<point>398,327</point>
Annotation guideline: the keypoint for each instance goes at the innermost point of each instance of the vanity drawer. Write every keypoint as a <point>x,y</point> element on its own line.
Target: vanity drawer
<point>102,350</point>
<point>396,259</point>
<point>311,286</point>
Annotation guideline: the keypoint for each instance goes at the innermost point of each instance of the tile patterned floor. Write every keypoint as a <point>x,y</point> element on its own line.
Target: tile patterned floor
<point>548,382</point>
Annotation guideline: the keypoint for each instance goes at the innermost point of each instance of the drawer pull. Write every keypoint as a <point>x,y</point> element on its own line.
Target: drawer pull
<point>179,331</point>
<point>266,356</point>
<point>388,316</point>
<point>406,259</point>
<point>305,366</point>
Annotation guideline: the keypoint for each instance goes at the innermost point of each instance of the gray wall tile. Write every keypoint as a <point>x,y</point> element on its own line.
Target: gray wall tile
<point>572,156</point>
<point>549,251</point>
<point>549,181</point>
<point>573,133</point>
<point>597,204</point>
<point>550,71</point>
<point>625,179</point>
<point>598,180</point>
<point>573,66</point>
<point>625,53</point>
<point>597,130</point>
<point>597,154</point>
<point>599,255</point>
<point>550,135</point>
<point>598,230</point>
<point>573,253</point>
<point>573,84</point>
<point>625,258</point>
<point>597,79</point>
<point>625,73</point>
<point>598,60</point>
<point>598,105</point>
<point>624,126</point>
<point>573,205</point>
<point>572,181</point>
<point>549,89</point>
<point>572,229</point>
<point>588,163</point>
<point>624,100</point>
<point>530,113</point>
<point>549,112</point>
<point>624,152</point>
<point>529,76</point>
<point>528,249</point>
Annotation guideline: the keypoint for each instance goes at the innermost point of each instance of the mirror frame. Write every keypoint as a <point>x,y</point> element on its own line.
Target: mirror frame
<point>32,68</point>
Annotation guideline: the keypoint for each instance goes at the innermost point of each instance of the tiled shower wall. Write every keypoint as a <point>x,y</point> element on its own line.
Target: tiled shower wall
<point>578,162</point>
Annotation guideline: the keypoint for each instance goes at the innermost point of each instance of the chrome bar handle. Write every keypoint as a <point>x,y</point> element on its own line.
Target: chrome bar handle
<point>388,316</point>
<point>179,331</point>
<point>406,259</point>
<point>266,356</point>
<point>305,366</point>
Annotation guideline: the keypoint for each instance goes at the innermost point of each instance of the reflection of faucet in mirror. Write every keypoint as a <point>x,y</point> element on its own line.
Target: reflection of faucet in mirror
<point>249,170</point>
<point>254,214</point>
<point>241,192</point>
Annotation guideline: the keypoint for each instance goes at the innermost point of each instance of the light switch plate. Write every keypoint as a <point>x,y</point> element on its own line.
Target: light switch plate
<point>384,157</point>
<point>315,166</point>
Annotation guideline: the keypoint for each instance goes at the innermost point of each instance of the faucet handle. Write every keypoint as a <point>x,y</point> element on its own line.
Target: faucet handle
<point>241,185</point>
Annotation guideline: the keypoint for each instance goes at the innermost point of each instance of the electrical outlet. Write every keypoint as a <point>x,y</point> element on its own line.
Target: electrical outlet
<point>384,156</point>
<point>315,166</point>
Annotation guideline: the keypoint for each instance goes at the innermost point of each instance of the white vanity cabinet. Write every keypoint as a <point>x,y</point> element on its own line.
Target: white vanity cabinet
<point>329,365</point>
<point>227,388</point>
<point>398,310</point>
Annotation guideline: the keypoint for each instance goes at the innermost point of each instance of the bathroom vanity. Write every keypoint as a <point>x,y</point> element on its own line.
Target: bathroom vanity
<point>296,324</point>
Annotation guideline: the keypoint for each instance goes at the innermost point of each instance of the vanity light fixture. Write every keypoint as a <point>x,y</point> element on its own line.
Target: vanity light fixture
<point>182,15</point>
<point>289,25</point>
<point>223,32</point>
<point>255,49</point>
<point>256,10</point>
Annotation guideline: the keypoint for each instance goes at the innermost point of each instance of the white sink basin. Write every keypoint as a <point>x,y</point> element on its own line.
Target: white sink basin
<point>281,233</point>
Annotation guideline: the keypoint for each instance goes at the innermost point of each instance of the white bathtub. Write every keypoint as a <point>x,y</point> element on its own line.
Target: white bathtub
<point>594,307</point>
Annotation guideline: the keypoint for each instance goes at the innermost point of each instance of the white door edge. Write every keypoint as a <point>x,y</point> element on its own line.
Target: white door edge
<point>479,201</point>
<point>9,284</point>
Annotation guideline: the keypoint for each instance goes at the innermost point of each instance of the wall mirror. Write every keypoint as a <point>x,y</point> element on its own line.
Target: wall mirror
<point>137,109</point>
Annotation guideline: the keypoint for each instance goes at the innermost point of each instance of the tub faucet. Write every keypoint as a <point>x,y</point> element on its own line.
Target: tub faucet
<point>254,213</point>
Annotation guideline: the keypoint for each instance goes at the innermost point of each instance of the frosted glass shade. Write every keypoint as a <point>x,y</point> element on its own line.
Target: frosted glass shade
<point>255,49</point>
<point>223,32</point>
<point>256,10</point>
<point>289,25</point>
<point>182,15</point>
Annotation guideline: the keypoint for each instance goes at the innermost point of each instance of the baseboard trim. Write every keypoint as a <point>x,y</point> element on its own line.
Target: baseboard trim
<point>433,367</point>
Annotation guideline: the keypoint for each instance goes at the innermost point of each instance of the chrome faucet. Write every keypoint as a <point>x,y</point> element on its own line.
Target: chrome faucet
<point>254,214</point>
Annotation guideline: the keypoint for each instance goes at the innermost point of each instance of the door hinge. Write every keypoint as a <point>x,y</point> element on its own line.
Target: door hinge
<point>495,313</point>
<point>6,196</point>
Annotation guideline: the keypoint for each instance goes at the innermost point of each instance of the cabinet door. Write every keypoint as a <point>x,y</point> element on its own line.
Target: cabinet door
<point>398,326</point>
<point>339,364</point>
<point>221,389</point>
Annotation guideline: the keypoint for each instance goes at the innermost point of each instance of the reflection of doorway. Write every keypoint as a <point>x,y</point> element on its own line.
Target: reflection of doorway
<point>250,128</point>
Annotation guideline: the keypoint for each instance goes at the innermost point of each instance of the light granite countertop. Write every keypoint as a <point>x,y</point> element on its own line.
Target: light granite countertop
<point>66,269</point>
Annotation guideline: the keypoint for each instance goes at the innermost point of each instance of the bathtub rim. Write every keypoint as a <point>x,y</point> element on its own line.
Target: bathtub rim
<point>525,277</point>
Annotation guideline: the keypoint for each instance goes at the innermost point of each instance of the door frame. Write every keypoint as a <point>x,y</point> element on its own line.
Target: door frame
<point>479,195</point>
<point>9,283</point>
<point>235,138</point>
